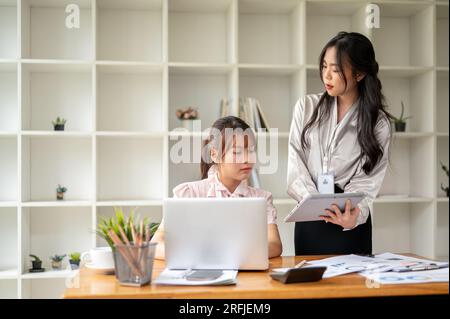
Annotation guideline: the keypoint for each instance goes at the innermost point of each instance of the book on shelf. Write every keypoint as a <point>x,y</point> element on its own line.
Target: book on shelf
<point>251,112</point>
<point>225,109</point>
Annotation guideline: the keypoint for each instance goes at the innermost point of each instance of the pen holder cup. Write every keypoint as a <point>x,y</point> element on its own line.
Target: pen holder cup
<point>134,264</point>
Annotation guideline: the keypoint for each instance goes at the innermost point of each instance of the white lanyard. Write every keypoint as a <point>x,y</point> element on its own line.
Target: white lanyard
<point>328,150</point>
<point>330,145</point>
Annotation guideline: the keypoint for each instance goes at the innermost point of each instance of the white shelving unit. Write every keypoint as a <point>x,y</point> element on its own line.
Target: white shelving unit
<point>119,78</point>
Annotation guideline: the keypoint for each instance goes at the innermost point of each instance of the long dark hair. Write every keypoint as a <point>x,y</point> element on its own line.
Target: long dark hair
<point>361,56</point>
<point>219,140</point>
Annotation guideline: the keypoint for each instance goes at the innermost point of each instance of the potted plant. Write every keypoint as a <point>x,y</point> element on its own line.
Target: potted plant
<point>36,264</point>
<point>59,123</point>
<point>400,122</point>
<point>445,189</point>
<point>57,261</point>
<point>129,239</point>
<point>187,117</point>
<point>74,260</point>
<point>60,190</point>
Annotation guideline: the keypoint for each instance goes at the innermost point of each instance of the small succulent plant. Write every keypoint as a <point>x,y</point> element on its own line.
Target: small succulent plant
<point>75,256</point>
<point>59,121</point>
<point>36,258</point>
<point>401,119</point>
<point>61,189</point>
<point>57,258</point>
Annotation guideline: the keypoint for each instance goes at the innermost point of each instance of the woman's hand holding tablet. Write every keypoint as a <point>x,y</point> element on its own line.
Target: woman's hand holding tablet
<point>328,207</point>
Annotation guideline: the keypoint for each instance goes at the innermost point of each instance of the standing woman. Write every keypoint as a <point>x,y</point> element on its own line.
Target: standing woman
<point>343,134</point>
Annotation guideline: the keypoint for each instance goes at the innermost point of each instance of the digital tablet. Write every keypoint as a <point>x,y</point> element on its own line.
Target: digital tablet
<point>313,206</point>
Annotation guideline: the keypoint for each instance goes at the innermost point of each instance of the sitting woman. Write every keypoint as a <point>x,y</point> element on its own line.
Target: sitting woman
<point>227,162</point>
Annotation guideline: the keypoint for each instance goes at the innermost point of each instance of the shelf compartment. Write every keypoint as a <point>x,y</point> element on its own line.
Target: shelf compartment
<point>272,165</point>
<point>409,173</point>
<point>442,156</point>
<point>269,69</point>
<point>129,30</point>
<point>442,35</point>
<point>184,160</point>
<point>442,232</point>
<point>325,19</point>
<point>201,30</point>
<point>56,203</point>
<point>56,134</point>
<point>8,289</point>
<point>153,213</point>
<point>277,94</point>
<point>8,204</point>
<point>130,98</point>
<point>50,287</point>
<point>70,230</point>
<point>129,203</point>
<point>8,169</point>
<point>201,88</point>
<point>405,35</point>
<point>8,29</point>
<point>417,93</point>
<point>50,274</point>
<point>48,161</point>
<point>314,84</point>
<point>403,227</point>
<point>129,169</point>
<point>393,199</point>
<point>8,243</point>
<point>50,90</point>
<point>40,19</point>
<point>286,230</point>
<point>9,120</point>
<point>442,103</point>
<point>270,32</point>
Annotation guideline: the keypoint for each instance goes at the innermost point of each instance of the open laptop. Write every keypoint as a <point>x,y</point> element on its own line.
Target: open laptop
<point>216,233</point>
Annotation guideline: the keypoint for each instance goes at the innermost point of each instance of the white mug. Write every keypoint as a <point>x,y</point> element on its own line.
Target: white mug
<point>98,257</point>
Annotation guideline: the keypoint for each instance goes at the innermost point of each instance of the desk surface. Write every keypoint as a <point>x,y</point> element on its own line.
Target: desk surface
<point>251,284</point>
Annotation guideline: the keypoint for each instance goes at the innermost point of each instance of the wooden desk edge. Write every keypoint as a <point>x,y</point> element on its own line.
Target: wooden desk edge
<point>347,286</point>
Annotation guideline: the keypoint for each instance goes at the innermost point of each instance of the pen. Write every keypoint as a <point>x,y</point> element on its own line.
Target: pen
<point>300,264</point>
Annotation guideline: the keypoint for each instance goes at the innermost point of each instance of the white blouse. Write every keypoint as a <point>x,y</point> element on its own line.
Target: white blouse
<point>304,166</point>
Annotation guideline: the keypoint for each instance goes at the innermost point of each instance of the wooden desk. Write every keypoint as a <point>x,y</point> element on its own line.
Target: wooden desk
<point>250,285</point>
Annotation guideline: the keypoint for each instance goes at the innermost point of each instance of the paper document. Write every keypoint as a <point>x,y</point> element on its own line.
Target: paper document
<point>342,265</point>
<point>197,277</point>
<point>385,267</point>
<point>413,277</point>
<point>399,263</point>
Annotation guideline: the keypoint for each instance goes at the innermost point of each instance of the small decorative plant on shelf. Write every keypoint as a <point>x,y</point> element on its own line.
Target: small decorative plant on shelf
<point>58,124</point>
<point>60,190</point>
<point>36,264</point>
<point>445,189</point>
<point>74,260</point>
<point>187,117</point>
<point>400,122</point>
<point>129,239</point>
<point>57,261</point>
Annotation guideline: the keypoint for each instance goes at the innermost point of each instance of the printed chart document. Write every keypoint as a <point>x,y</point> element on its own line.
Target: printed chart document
<point>197,277</point>
<point>342,265</point>
<point>385,268</point>
<point>413,277</point>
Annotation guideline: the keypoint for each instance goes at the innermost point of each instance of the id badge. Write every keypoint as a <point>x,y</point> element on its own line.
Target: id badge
<point>326,183</point>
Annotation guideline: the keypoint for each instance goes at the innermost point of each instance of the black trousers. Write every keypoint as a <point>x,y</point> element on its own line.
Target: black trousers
<point>321,238</point>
